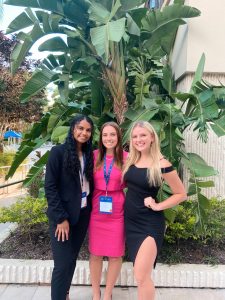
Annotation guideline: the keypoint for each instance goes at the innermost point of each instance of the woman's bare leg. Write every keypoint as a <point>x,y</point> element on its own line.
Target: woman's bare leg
<point>143,266</point>
<point>96,273</point>
<point>114,267</point>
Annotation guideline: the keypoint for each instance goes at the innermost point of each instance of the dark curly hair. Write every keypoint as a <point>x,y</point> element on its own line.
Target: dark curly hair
<point>71,159</point>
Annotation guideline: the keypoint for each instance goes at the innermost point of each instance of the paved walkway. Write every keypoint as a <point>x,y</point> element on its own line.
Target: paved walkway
<point>35,292</point>
<point>8,199</point>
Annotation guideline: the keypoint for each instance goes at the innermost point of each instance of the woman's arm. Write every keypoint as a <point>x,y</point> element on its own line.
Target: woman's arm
<point>56,212</point>
<point>176,186</point>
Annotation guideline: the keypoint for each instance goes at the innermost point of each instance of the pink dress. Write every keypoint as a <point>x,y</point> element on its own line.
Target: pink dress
<point>106,231</point>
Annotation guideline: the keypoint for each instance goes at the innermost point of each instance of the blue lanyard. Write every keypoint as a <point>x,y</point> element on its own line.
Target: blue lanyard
<point>107,176</point>
<point>82,170</point>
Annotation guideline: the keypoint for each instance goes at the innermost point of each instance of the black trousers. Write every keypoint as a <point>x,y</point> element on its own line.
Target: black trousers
<point>65,256</point>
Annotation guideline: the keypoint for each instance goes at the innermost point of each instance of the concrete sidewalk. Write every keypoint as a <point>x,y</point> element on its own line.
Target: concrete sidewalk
<point>35,292</point>
<point>7,200</point>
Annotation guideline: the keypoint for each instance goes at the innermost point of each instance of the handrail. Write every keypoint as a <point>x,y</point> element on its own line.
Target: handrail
<point>11,183</point>
<point>29,164</point>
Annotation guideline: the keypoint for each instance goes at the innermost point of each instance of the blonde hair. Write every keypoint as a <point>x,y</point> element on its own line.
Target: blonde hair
<point>153,173</point>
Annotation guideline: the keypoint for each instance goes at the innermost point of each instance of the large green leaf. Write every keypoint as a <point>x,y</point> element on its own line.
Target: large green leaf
<point>193,189</point>
<point>203,201</point>
<point>199,72</point>
<point>97,99</point>
<point>205,184</point>
<point>219,127</point>
<point>209,108</point>
<point>170,214</point>
<point>197,78</point>
<point>162,26</point>
<point>63,88</point>
<point>54,44</point>
<point>138,14</point>
<point>19,158</point>
<point>132,26</point>
<point>21,50</point>
<point>76,12</point>
<point>157,18</point>
<point>20,22</point>
<point>45,4</point>
<point>198,166</point>
<point>168,81</point>
<point>31,141</point>
<point>39,80</point>
<point>102,35</point>
<point>52,122</point>
<point>162,31</point>
<point>59,134</point>
<point>36,169</point>
<point>51,25</point>
<point>131,4</point>
<point>137,115</point>
<point>24,152</point>
<point>98,13</point>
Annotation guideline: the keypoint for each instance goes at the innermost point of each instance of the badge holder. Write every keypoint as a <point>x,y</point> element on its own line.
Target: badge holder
<point>105,204</point>
<point>84,200</point>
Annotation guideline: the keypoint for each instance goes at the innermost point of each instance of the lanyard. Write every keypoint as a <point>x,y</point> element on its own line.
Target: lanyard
<point>107,176</point>
<point>82,169</point>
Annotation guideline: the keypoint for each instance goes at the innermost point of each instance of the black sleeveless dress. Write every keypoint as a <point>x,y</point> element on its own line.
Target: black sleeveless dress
<point>141,221</point>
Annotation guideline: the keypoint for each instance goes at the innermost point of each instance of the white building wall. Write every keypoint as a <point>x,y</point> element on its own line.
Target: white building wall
<point>204,34</point>
<point>213,152</point>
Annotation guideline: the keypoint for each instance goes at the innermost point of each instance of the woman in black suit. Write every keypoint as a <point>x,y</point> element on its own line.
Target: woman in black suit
<point>68,187</point>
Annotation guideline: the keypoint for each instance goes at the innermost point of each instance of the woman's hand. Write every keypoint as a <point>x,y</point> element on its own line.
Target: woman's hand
<point>62,231</point>
<point>150,203</point>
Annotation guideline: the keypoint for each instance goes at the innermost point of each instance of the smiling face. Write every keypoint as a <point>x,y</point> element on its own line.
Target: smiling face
<point>142,139</point>
<point>82,131</point>
<point>109,138</point>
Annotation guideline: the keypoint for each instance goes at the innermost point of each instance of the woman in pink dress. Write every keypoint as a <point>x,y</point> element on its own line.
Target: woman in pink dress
<point>106,227</point>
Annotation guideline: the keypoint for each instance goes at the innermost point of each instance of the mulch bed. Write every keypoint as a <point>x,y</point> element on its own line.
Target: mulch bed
<point>35,244</point>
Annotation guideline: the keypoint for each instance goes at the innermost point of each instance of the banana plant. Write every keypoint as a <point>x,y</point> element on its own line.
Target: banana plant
<point>203,105</point>
<point>110,67</point>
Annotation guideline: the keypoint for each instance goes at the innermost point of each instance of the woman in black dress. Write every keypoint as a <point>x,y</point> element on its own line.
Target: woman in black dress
<point>144,172</point>
<point>68,187</point>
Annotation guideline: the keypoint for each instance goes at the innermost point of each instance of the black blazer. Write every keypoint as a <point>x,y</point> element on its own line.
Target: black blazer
<point>63,190</point>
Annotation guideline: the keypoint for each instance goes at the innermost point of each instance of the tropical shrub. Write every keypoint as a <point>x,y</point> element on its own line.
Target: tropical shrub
<point>26,212</point>
<point>184,226</point>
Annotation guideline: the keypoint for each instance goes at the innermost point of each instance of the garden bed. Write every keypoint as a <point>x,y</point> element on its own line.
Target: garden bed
<point>36,245</point>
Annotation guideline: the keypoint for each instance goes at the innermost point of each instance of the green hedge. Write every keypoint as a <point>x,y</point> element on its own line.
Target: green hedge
<point>5,160</point>
<point>184,228</point>
<point>26,212</point>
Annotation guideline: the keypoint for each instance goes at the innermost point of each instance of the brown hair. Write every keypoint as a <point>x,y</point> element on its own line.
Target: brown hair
<point>118,150</point>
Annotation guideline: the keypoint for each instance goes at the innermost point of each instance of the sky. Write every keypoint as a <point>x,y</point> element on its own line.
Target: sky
<point>9,14</point>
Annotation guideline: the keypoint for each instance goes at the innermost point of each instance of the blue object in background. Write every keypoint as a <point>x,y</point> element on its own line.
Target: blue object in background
<point>153,4</point>
<point>12,134</point>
